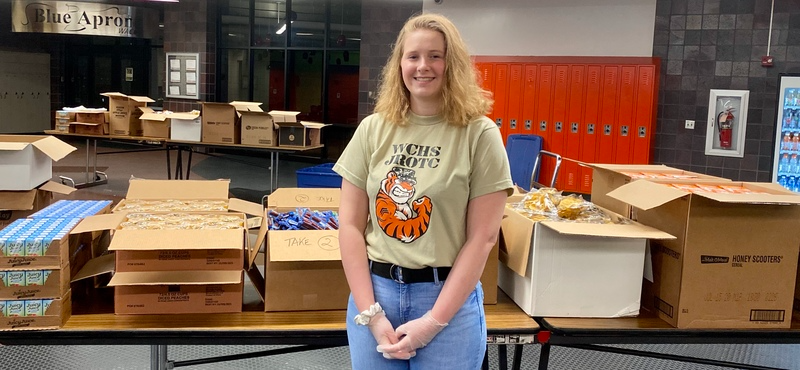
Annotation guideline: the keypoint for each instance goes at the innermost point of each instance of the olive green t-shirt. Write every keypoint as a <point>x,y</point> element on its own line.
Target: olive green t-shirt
<point>420,178</point>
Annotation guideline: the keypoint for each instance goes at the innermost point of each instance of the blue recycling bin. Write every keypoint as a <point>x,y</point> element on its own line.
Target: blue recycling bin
<point>321,176</point>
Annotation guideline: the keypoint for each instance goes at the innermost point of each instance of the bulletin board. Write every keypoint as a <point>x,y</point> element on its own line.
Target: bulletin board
<point>183,75</point>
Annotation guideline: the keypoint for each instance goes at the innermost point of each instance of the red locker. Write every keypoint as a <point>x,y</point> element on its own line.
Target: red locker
<point>542,121</point>
<point>645,116</point>
<point>514,112</point>
<point>625,126</point>
<point>486,72</point>
<point>591,121</point>
<point>560,125</point>
<point>572,147</point>
<point>608,114</point>
<point>529,99</point>
<point>501,98</point>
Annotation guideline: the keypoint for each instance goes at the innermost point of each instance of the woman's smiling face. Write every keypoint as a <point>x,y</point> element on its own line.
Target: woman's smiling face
<point>422,66</point>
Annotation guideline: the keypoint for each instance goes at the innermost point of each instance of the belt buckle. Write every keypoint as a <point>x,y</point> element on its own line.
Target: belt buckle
<point>399,277</point>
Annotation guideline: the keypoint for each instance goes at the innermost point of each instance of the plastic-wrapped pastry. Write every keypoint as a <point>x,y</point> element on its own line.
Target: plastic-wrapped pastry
<point>571,207</point>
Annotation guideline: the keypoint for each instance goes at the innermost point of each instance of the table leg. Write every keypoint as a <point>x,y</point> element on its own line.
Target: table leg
<point>87,161</point>
<point>544,356</point>
<point>517,362</point>
<point>158,357</point>
<point>169,165</point>
<point>189,163</point>
<point>179,165</point>
<point>485,365</point>
<point>502,357</point>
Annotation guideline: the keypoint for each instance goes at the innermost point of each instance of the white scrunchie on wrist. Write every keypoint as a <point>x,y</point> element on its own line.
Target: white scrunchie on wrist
<point>366,316</point>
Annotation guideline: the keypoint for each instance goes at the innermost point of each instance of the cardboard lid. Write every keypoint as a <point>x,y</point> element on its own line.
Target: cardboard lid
<point>633,230</point>
<point>53,147</point>
<point>630,167</point>
<point>96,266</point>
<point>151,240</point>
<point>321,198</point>
<point>178,189</point>
<point>246,106</point>
<point>184,115</point>
<point>283,113</point>
<point>314,124</point>
<point>646,195</point>
<point>24,200</point>
<point>176,277</point>
<point>99,222</point>
<point>118,95</point>
<point>55,187</point>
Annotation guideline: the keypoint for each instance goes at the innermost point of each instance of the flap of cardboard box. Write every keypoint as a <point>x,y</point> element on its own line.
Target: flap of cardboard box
<point>151,115</point>
<point>96,267</point>
<point>283,115</point>
<point>176,278</point>
<point>147,240</point>
<point>646,195</point>
<point>517,233</point>
<point>184,115</point>
<point>246,106</point>
<point>86,123</point>
<point>118,95</point>
<point>243,206</point>
<point>315,198</point>
<point>316,125</point>
<point>178,189</point>
<point>652,171</point>
<point>99,222</point>
<point>631,230</point>
<point>24,200</point>
<point>49,145</point>
<point>253,249</point>
<point>303,245</point>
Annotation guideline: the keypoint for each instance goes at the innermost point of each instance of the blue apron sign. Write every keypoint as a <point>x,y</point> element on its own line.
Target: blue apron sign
<point>77,18</point>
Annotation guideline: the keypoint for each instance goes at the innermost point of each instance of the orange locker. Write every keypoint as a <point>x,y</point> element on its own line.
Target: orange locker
<point>572,145</point>
<point>625,126</point>
<point>542,121</point>
<point>501,98</point>
<point>591,119</point>
<point>514,112</point>
<point>559,117</point>
<point>486,74</point>
<point>529,99</point>
<point>645,116</point>
<point>608,114</point>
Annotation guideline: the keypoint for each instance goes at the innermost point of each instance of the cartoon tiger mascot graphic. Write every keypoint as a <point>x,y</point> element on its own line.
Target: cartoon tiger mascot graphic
<point>394,209</point>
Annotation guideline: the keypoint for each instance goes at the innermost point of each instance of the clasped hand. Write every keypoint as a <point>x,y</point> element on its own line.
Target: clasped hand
<point>409,337</point>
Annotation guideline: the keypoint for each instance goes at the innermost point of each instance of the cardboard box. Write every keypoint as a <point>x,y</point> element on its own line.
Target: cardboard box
<point>68,115</point>
<point>37,284</point>
<point>303,268</point>
<point>220,124</point>
<point>567,269</point>
<point>177,292</point>
<point>26,161</point>
<point>20,204</point>
<point>88,128</point>
<point>283,116</point>
<point>91,116</point>
<point>123,113</point>
<point>54,317</point>
<point>300,134</point>
<point>186,129</point>
<point>186,191</point>
<point>489,276</point>
<point>607,177</point>
<point>734,261</point>
<point>258,129</point>
<point>159,124</point>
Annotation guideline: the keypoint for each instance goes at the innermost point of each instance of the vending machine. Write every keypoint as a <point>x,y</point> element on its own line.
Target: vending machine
<point>786,162</point>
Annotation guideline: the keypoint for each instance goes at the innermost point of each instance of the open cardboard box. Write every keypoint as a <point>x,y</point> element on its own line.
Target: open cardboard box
<point>159,124</point>
<point>300,134</point>
<point>188,191</point>
<point>51,283</point>
<point>567,269</point>
<point>26,161</point>
<point>733,263</point>
<point>54,317</point>
<point>607,177</point>
<point>20,204</point>
<point>123,115</point>
<point>303,268</point>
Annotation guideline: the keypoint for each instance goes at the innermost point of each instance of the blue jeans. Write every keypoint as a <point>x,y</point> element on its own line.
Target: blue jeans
<point>461,345</point>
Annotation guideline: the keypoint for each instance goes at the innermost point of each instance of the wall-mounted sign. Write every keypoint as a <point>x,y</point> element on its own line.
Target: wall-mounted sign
<point>70,17</point>
<point>182,72</point>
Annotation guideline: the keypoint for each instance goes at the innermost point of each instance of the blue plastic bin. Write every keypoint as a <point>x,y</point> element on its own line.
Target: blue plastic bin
<point>321,176</point>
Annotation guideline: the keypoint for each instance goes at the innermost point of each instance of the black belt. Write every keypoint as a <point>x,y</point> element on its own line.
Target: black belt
<point>407,275</point>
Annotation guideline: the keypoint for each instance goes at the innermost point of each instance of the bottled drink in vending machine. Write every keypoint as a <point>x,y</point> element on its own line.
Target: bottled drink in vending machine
<point>783,166</point>
<point>787,141</point>
<point>796,119</point>
<point>782,181</point>
<point>788,122</point>
<point>795,146</point>
<point>794,166</point>
<point>791,98</point>
<point>791,183</point>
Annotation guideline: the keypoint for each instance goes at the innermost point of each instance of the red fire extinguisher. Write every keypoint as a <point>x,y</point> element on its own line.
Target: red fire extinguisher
<point>725,126</point>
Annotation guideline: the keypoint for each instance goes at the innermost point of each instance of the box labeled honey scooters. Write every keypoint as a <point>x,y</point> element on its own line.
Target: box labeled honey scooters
<point>303,268</point>
<point>572,269</point>
<point>607,177</point>
<point>733,263</point>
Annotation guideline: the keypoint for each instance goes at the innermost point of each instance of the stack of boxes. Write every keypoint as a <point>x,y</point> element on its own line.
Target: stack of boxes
<point>38,257</point>
<point>84,121</point>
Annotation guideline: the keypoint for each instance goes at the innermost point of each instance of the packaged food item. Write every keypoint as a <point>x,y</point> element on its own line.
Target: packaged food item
<point>33,307</point>
<point>15,308</point>
<point>15,278</point>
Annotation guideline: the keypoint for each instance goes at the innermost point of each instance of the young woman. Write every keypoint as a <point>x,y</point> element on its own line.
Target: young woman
<point>425,181</point>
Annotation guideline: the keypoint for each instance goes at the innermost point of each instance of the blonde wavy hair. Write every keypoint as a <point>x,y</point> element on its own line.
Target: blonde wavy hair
<point>463,98</point>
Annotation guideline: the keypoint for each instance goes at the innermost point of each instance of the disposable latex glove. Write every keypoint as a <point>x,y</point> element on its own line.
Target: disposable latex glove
<point>385,335</point>
<point>413,335</point>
